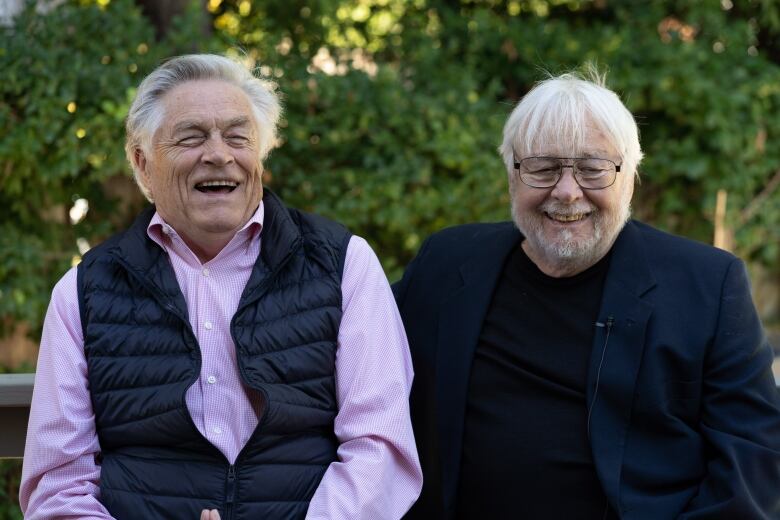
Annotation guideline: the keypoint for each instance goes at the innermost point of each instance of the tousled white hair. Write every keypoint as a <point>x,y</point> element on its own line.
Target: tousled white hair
<point>558,111</point>
<point>147,113</point>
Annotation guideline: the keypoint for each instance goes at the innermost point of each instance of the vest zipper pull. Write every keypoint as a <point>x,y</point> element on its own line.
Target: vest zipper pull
<point>231,485</point>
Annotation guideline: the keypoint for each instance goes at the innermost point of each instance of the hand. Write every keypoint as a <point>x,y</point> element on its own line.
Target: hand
<point>209,515</point>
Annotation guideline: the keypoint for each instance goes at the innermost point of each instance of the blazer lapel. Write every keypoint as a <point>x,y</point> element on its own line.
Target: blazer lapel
<point>460,322</point>
<point>616,356</point>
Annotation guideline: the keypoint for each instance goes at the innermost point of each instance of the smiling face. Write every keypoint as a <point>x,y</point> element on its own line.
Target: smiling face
<point>568,229</point>
<point>204,171</point>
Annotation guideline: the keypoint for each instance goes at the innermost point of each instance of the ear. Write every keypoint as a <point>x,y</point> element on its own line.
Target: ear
<point>139,163</point>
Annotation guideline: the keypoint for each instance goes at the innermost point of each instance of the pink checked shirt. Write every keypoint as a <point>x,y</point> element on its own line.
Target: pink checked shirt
<point>378,473</point>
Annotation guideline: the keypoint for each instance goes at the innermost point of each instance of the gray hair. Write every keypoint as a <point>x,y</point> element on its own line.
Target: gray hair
<point>146,112</point>
<point>558,109</point>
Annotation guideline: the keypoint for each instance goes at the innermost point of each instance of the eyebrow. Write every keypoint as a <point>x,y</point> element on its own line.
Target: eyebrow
<point>186,125</point>
<point>196,125</point>
<point>597,154</point>
<point>238,121</point>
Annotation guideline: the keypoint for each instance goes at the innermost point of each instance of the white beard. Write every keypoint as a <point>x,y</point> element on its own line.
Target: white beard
<point>566,251</point>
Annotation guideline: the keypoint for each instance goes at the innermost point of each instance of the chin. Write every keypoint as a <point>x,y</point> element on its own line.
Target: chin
<point>564,248</point>
<point>220,223</point>
<point>568,247</point>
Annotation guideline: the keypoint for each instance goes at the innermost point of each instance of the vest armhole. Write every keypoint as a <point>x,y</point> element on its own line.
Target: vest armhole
<point>80,293</point>
<point>343,253</point>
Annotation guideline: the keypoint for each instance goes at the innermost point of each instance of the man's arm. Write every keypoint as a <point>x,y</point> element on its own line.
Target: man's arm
<point>60,476</point>
<point>378,474</point>
<point>740,419</point>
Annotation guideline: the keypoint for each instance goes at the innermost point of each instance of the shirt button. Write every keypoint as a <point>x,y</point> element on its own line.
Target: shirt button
<point>217,430</point>
<point>211,380</point>
<point>208,325</point>
<point>205,271</point>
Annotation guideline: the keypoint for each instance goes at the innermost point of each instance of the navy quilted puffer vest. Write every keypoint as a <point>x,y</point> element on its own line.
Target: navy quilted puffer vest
<point>142,356</point>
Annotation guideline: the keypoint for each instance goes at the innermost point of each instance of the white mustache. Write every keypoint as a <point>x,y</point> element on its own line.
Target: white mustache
<point>566,209</point>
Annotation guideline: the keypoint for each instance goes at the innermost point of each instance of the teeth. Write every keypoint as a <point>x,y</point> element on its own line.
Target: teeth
<point>567,218</point>
<point>228,184</point>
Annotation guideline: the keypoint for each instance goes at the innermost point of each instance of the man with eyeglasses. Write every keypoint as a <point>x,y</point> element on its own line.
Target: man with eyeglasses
<point>578,364</point>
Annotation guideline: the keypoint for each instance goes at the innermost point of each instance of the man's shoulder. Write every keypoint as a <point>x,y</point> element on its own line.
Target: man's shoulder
<point>446,250</point>
<point>319,230</point>
<point>664,246</point>
<point>104,249</point>
<point>677,262</point>
<point>465,237</point>
<point>313,222</point>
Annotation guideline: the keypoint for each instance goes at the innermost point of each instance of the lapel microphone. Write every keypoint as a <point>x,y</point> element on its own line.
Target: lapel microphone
<point>608,327</point>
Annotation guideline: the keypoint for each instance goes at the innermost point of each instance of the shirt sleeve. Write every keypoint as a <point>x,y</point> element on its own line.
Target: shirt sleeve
<point>59,475</point>
<point>378,473</point>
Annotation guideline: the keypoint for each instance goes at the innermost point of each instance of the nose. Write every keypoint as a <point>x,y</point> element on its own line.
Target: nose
<point>217,152</point>
<point>567,190</point>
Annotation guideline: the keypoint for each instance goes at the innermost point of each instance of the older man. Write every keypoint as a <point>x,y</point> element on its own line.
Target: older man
<point>225,356</point>
<point>575,364</point>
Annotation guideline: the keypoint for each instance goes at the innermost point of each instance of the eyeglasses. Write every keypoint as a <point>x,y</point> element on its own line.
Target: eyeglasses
<point>589,173</point>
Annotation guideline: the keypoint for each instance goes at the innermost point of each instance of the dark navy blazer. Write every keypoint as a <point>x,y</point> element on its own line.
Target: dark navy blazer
<point>684,413</point>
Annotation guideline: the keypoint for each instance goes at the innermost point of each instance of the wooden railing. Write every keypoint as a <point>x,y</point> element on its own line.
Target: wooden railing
<point>15,396</point>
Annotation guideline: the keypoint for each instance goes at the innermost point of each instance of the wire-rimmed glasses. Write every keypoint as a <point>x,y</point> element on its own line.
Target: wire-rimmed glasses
<point>590,173</point>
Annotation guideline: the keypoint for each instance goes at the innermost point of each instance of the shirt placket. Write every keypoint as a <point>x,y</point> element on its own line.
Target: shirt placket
<point>209,334</point>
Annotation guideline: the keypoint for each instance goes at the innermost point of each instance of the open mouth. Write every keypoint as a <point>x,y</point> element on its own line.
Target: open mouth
<point>218,186</point>
<point>574,217</point>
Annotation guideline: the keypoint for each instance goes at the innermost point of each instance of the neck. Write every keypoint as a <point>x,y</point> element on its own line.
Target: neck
<point>557,267</point>
<point>207,247</point>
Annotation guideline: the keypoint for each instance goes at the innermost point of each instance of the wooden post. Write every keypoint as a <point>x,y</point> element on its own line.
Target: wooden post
<point>721,238</point>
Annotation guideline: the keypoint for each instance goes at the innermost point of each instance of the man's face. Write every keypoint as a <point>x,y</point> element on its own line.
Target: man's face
<point>569,229</point>
<point>204,170</point>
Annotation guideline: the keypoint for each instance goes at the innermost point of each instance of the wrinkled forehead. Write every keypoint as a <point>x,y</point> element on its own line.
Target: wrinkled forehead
<point>210,96</point>
<point>203,104</point>
<point>565,134</point>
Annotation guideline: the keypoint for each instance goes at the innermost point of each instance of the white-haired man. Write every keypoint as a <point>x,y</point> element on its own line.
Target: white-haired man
<point>576,364</point>
<point>226,356</point>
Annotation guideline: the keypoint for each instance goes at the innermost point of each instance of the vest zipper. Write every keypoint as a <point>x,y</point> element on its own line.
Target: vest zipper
<point>230,492</point>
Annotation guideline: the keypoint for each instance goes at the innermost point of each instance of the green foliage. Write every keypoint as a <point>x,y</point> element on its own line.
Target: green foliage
<point>394,110</point>
<point>10,473</point>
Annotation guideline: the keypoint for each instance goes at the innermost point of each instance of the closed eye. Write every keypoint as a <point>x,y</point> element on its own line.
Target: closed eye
<point>237,139</point>
<point>190,140</point>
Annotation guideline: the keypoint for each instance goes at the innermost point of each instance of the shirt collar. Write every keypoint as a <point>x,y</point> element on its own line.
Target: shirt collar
<point>166,236</point>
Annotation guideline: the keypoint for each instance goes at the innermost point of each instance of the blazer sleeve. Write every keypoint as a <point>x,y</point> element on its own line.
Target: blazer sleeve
<point>740,418</point>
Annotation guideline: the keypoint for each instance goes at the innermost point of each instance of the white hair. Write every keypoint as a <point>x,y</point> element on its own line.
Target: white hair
<point>558,110</point>
<point>146,112</point>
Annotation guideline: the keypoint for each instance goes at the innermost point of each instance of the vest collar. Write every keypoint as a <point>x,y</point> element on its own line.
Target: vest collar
<point>143,258</point>
<point>280,235</point>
